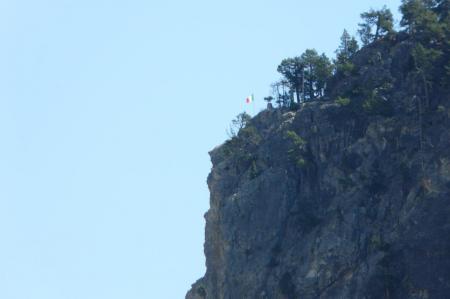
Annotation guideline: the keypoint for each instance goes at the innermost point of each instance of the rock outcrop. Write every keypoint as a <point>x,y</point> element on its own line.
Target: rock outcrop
<point>332,200</point>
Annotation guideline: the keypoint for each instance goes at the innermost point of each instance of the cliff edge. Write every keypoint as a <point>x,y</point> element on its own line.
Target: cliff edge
<point>340,198</point>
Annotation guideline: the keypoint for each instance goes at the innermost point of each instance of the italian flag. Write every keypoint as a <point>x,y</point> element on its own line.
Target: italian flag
<point>249,99</point>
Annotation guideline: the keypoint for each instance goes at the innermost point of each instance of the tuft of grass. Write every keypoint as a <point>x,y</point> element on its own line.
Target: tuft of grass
<point>301,163</point>
<point>441,109</point>
<point>297,140</point>
<point>343,101</point>
<point>297,149</point>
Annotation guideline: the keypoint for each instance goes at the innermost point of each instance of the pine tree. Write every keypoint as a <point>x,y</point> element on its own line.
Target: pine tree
<point>376,24</point>
<point>428,24</point>
<point>324,69</point>
<point>421,22</point>
<point>293,70</point>
<point>348,47</point>
<point>318,69</point>
<point>305,77</point>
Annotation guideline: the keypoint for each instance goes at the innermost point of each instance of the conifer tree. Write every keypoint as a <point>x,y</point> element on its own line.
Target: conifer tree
<point>324,69</point>
<point>421,21</point>
<point>376,24</point>
<point>348,47</point>
<point>427,22</point>
<point>293,70</point>
<point>318,69</point>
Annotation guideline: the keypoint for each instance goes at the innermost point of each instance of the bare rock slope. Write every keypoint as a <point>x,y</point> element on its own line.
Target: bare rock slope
<point>331,202</point>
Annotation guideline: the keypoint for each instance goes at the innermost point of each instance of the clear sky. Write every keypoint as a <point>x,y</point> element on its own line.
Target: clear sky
<point>107,112</point>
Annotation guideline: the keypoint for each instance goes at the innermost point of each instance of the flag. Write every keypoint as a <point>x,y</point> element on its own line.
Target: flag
<point>249,99</point>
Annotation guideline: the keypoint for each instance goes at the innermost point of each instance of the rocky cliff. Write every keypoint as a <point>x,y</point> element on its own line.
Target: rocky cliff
<point>342,198</point>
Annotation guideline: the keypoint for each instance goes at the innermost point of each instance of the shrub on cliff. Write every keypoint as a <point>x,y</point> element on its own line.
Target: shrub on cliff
<point>244,140</point>
<point>297,149</point>
<point>342,101</point>
<point>376,104</point>
<point>238,123</point>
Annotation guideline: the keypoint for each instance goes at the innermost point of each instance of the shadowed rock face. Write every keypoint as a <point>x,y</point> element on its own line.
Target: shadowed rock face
<point>358,208</point>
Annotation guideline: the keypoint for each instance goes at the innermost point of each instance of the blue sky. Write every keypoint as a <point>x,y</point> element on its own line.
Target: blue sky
<point>107,112</point>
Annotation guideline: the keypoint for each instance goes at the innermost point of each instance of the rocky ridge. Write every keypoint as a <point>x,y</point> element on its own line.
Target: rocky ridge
<point>338,199</point>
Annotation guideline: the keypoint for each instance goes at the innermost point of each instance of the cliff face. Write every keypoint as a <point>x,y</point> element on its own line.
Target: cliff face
<point>331,202</point>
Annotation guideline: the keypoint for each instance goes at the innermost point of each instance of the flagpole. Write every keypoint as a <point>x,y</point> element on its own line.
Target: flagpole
<point>250,101</point>
<point>253,96</point>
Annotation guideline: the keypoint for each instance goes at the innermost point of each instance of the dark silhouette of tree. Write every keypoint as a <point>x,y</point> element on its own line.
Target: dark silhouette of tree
<point>421,20</point>
<point>318,69</point>
<point>428,24</point>
<point>283,93</point>
<point>376,24</point>
<point>305,77</point>
<point>348,47</point>
<point>427,30</point>
<point>324,70</point>
<point>237,124</point>
<point>293,71</point>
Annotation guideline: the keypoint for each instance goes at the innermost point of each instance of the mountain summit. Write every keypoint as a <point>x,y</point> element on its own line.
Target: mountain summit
<point>346,195</point>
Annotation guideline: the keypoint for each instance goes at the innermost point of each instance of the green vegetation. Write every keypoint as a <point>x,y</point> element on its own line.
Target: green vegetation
<point>376,24</point>
<point>428,25</point>
<point>304,77</point>
<point>376,105</point>
<point>410,63</point>
<point>301,163</point>
<point>347,49</point>
<point>242,145</point>
<point>343,101</point>
<point>297,150</point>
<point>248,137</point>
<point>238,123</point>
<point>425,28</point>
<point>293,71</point>
<point>297,140</point>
